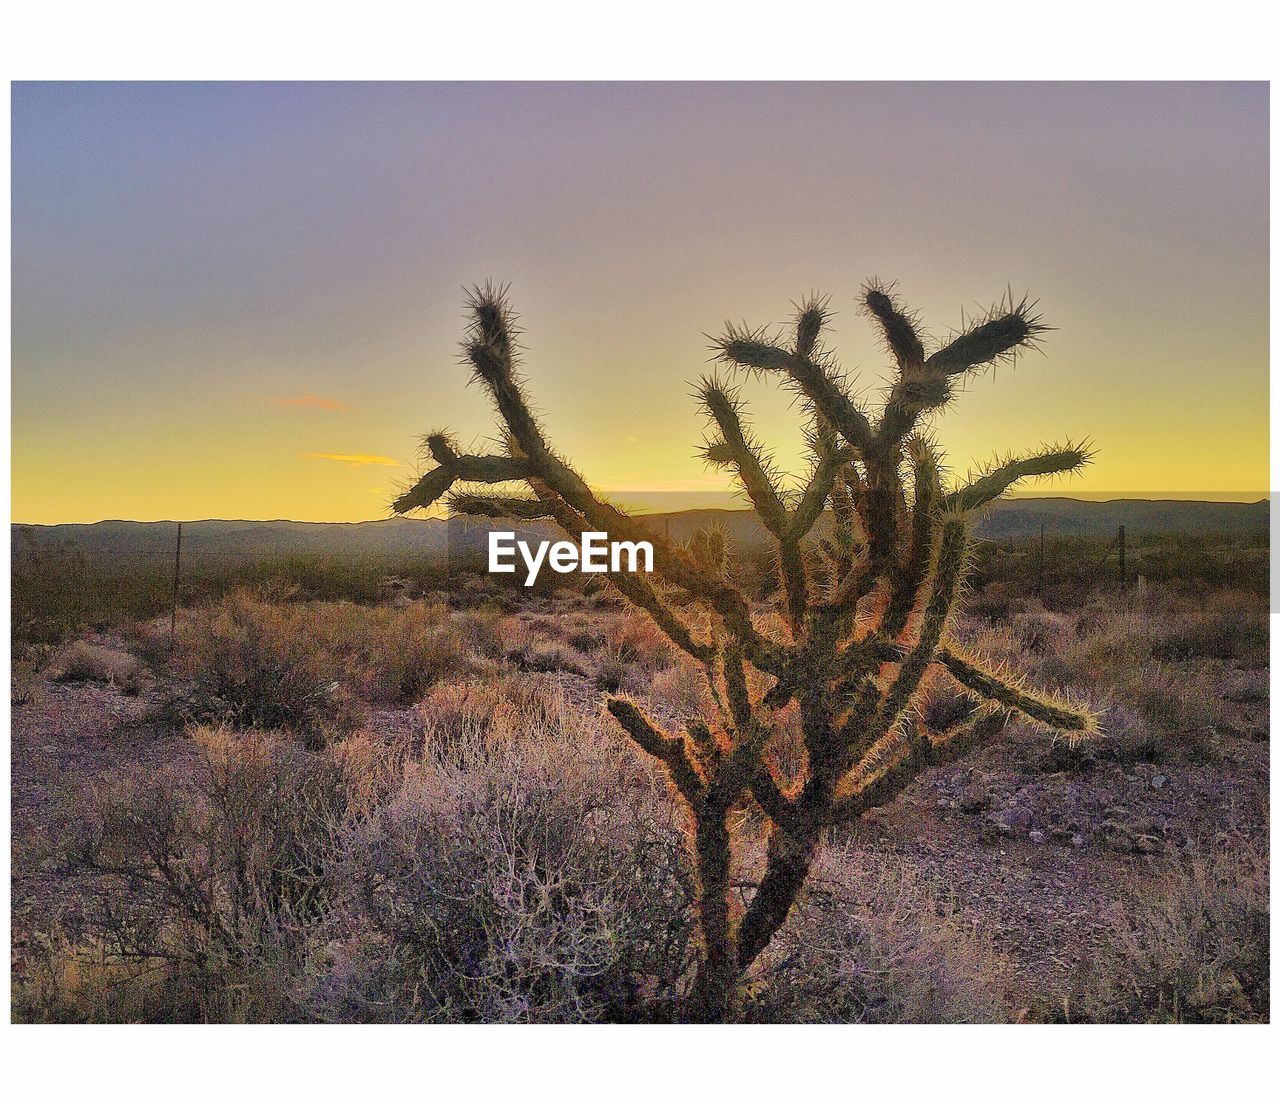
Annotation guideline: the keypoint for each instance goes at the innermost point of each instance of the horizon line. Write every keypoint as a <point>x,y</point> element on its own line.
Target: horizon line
<point>1237,498</point>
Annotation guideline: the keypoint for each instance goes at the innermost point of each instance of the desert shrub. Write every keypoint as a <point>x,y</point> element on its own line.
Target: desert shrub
<point>1130,737</point>
<point>872,943</point>
<point>994,602</point>
<point>467,722</point>
<point>547,656</point>
<point>585,638</point>
<point>1107,641</point>
<point>1175,700</point>
<point>480,630</point>
<point>528,869</point>
<point>151,641</point>
<point>1042,631</point>
<point>25,674</point>
<point>83,661</point>
<point>1147,657</point>
<point>60,589</point>
<point>89,981</point>
<point>260,660</point>
<point>57,591</point>
<point>496,895</point>
<point>681,692</point>
<point>221,878</point>
<point>398,653</point>
<point>1226,625</point>
<point>261,664</point>
<point>1192,944</point>
<point>539,876</point>
<point>460,720</point>
<point>633,652</point>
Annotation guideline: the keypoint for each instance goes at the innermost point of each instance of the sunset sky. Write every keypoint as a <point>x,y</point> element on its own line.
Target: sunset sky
<point>244,301</point>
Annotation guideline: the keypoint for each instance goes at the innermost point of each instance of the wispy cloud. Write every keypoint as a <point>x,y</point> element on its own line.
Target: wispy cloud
<point>308,402</point>
<point>355,459</point>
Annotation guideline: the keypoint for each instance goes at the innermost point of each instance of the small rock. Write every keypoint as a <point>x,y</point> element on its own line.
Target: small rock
<point>1158,782</point>
<point>1036,836</point>
<point>1077,840</point>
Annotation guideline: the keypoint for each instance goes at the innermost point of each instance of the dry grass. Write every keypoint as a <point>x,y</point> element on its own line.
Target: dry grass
<point>523,868</point>
<point>84,662</point>
<point>872,943</point>
<point>1191,945</point>
<point>1158,662</point>
<point>301,666</point>
<point>523,863</point>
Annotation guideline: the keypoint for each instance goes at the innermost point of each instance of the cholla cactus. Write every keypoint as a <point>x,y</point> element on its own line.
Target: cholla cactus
<point>871,559</point>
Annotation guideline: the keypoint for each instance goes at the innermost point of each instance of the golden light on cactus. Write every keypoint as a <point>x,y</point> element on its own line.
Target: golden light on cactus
<point>871,555</point>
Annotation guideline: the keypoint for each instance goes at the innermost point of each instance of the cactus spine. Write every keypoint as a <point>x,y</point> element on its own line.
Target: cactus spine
<point>865,599</point>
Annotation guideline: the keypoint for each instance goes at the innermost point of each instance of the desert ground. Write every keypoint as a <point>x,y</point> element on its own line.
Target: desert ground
<point>411,806</point>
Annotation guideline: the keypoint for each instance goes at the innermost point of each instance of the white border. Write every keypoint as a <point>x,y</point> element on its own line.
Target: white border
<point>656,40</point>
<point>504,40</point>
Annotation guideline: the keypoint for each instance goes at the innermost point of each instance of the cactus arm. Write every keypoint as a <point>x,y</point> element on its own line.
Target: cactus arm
<point>916,389</point>
<point>495,506</point>
<point>490,350</point>
<point>812,313</point>
<point>759,777</point>
<point>928,496</point>
<point>923,749</point>
<point>998,336</point>
<point>433,486</point>
<point>762,489</point>
<point>987,722</point>
<point>635,588</point>
<point>753,471</point>
<point>815,381</point>
<point>995,482</point>
<point>672,751</point>
<point>769,796</point>
<point>452,468</point>
<point>818,491</point>
<point>745,765</point>
<point>705,743</point>
<point>897,327</point>
<point>818,384</point>
<point>883,787</point>
<point>946,570</point>
<point>1047,709</point>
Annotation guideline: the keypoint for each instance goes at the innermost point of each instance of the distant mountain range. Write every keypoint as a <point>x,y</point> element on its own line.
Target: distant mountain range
<point>399,537</point>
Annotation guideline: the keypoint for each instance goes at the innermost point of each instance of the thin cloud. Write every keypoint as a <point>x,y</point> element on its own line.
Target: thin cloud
<point>355,459</point>
<point>308,402</point>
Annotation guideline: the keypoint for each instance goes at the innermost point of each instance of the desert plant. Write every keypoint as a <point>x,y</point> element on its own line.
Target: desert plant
<point>867,578</point>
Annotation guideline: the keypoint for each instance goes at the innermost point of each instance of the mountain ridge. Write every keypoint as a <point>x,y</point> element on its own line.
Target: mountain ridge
<point>1008,519</point>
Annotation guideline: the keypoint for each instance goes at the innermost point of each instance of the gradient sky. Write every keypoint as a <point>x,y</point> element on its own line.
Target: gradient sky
<point>244,301</point>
